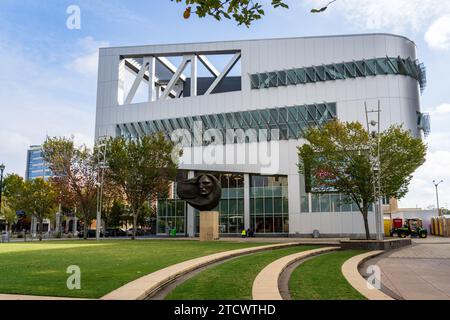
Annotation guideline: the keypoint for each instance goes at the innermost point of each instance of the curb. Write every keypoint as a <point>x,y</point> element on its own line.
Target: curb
<point>350,271</point>
<point>150,284</point>
<point>265,286</point>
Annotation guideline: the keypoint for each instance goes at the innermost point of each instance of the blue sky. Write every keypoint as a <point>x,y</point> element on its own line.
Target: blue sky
<point>48,74</point>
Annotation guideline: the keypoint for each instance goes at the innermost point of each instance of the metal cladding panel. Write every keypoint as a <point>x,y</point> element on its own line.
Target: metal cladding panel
<point>270,55</point>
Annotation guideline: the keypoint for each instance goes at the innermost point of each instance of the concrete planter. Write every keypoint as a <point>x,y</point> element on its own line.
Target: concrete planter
<point>389,244</point>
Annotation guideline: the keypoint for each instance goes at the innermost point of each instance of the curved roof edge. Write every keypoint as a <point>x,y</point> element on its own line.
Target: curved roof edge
<point>268,39</point>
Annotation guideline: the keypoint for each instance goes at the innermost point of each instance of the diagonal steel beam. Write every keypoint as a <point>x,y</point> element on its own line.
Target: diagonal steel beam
<point>175,77</point>
<point>208,65</point>
<point>169,65</point>
<point>224,73</point>
<point>136,83</point>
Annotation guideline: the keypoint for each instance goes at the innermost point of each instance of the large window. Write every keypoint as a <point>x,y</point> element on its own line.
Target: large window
<point>339,71</point>
<point>269,204</point>
<point>171,210</point>
<point>292,122</point>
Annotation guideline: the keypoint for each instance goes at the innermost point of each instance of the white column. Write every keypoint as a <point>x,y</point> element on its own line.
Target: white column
<point>121,82</point>
<point>246,201</point>
<point>33,226</point>
<point>75,225</point>
<point>294,202</point>
<point>152,94</point>
<point>194,76</point>
<point>190,213</point>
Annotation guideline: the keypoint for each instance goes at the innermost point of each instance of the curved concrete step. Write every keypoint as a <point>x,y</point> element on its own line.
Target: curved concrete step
<point>350,271</point>
<point>265,286</point>
<point>150,284</point>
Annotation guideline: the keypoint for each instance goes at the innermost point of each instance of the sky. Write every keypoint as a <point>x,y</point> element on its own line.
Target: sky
<point>48,71</point>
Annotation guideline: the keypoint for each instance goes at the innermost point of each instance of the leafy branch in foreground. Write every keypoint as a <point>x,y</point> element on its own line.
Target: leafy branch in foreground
<point>244,12</point>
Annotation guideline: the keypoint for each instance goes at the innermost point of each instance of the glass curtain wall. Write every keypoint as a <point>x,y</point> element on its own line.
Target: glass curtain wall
<point>269,204</point>
<point>171,210</point>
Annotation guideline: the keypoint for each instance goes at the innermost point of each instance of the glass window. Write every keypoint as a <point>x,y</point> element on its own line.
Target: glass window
<point>278,205</point>
<point>315,203</point>
<point>304,203</point>
<point>325,205</point>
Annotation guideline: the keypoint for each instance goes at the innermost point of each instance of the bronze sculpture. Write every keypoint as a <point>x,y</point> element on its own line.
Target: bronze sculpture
<point>202,192</point>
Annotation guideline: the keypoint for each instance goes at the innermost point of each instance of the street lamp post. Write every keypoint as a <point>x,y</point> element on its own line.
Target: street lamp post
<point>436,185</point>
<point>2,168</point>
<point>376,167</point>
<point>101,178</point>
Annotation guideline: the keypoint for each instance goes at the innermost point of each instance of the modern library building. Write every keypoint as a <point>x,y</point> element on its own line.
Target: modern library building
<point>239,110</point>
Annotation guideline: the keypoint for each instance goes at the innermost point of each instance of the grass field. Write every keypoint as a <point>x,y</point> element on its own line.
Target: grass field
<point>321,278</point>
<point>40,268</point>
<point>232,280</point>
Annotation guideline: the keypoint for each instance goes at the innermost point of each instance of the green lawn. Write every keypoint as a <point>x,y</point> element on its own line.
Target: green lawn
<point>232,280</point>
<point>40,268</point>
<point>321,278</point>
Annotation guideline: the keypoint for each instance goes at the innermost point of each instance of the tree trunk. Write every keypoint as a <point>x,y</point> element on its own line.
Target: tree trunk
<point>133,237</point>
<point>85,228</point>
<point>41,227</point>
<point>366,223</point>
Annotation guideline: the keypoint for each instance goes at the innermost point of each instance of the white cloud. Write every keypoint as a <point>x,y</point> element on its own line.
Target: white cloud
<point>86,61</point>
<point>395,15</point>
<point>438,34</point>
<point>443,108</point>
<point>422,192</point>
<point>47,101</point>
<point>437,165</point>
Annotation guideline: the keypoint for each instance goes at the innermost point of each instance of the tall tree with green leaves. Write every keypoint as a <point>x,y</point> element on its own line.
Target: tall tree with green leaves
<point>8,213</point>
<point>75,175</point>
<point>36,197</point>
<point>39,199</point>
<point>340,156</point>
<point>142,168</point>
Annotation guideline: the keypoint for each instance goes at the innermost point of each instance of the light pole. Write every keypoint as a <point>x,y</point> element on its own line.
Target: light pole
<point>376,167</point>
<point>2,168</point>
<point>100,180</point>
<point>436,185</point>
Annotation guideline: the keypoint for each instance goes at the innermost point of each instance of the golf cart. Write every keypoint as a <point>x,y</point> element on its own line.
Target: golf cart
<point>412,227</point>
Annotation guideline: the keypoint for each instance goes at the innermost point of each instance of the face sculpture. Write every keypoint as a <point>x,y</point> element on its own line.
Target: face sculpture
<point>202,192</point>
<point>205,185</point>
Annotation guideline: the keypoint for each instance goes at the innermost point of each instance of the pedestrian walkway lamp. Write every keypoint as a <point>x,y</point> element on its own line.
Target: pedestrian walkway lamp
<point>436,185</point>
<point>2,168</point>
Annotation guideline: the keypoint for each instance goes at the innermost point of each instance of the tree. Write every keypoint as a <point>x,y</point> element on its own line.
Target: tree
<point>115,215</point>
<point>36,197</point>
<point>39,199</point>
<point>8,214</point>
<point>340,157</point>
<point>142,168</point>
<point>75,176</point>
<point>13,186</point>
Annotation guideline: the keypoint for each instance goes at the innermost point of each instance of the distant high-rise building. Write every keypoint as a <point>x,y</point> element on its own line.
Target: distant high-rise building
<point>36,167</point>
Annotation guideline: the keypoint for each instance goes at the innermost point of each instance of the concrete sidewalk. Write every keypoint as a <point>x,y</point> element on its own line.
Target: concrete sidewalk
<point>419,272</point>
